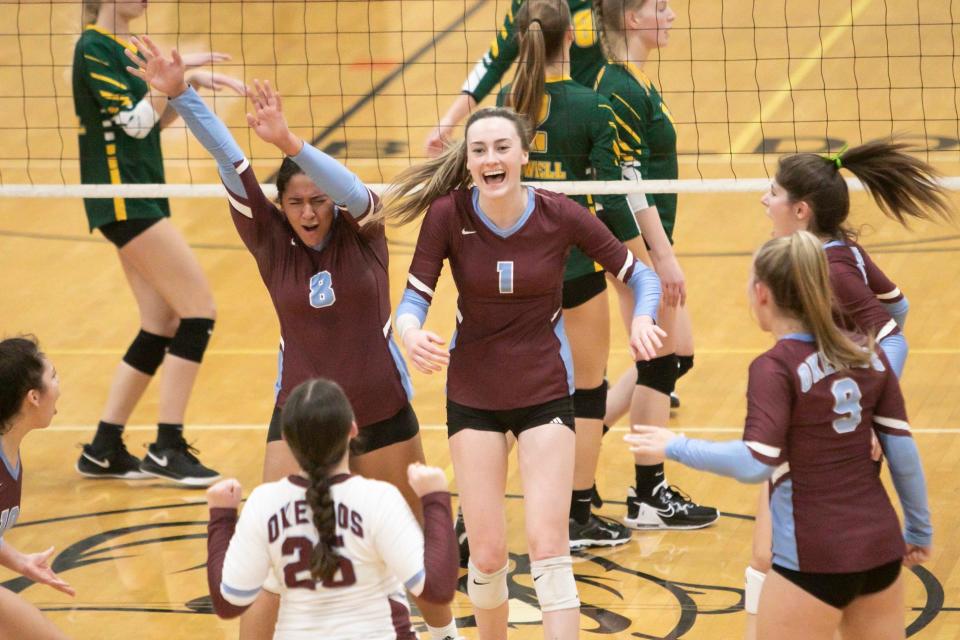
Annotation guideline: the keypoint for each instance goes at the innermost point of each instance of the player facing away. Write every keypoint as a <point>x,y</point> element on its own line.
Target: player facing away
<point>324,262</point>
<point>29,389</point>
<point>814,400</point>
<point>575,138</point>
<point>809,193</point>
<point>119,142</point>
<point>509,361</point>
<point>631,30</point>
<point>341,547</point>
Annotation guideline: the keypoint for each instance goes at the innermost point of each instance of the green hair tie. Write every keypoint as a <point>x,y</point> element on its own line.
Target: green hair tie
<point>835,157</point>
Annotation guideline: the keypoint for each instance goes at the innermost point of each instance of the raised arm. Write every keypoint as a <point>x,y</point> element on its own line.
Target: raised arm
<point>341,184</point>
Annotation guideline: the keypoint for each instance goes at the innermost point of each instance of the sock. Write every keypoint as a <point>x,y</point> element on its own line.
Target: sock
<point>169,435</point>
<point>449,632</point>
<point>648,478</point>
<point>108,437</point>
<point>580,503</point>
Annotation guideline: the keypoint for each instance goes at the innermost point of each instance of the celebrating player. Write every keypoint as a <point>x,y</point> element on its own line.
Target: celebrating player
<point>631,30</point>
<point>324,262</point>
<point>809,193</point>
<point>575,138</point>
<point>120,123</point>
<point>29,389</point>
<point>510,366</point>
<point>344,545</point>
<point>813,402</point>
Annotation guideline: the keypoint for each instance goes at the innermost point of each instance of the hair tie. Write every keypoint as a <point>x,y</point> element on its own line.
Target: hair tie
<point>835,157</point>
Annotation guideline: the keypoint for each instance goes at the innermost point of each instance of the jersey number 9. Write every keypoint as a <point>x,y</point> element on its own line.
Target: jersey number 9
<point>302,548</point>
<point>846,396</point>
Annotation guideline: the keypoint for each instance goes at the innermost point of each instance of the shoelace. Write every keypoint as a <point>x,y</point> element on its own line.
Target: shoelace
<point>679,500</point>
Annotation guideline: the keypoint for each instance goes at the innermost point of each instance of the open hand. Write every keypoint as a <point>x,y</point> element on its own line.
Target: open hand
<point>36,568</point>
<point>645,338</point>
<point>268,121</point>
<point>202,59</point>
<point>424,350</point>
<point>649,442</point>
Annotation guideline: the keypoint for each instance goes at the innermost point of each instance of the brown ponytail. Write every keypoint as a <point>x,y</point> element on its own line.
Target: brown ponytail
<point>541,27</point>
<point>415,189</point>
<point>316,424</point>
<point>91,11</point>
<point>902,186</point>
<point>795,269</point>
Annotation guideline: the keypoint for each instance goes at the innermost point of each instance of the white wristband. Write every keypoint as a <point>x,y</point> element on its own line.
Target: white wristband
<point>406,322</point>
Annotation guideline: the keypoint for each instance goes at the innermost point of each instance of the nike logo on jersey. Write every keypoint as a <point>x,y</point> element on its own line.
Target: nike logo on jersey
<point>465,232</point>
<point>103,464</point>
<point>160,461</point>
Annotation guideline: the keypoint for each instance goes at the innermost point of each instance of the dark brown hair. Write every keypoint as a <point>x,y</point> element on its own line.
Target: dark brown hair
<point>416,188</point>
<point>902,186</point>
<point>316,422</point>
<point>795,269</point>
<point>288,169</point>
<point>21,369</point>
<point>542,26</point>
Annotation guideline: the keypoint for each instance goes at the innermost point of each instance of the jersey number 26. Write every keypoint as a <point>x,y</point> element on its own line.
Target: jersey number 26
<point>302,548</point>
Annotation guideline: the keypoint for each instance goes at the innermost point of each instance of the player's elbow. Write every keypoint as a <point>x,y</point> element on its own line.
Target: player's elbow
<point>754,473</point>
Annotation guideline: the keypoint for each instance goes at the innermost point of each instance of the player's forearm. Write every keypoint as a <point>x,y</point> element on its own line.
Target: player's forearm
<point>341,184</point>
<point>653,234</point>
<point>11,558</point>
<point>898,310</point>
<point>911,485</point>
<point>440,562</point>
<point>646,290</point>
<point>462,105</point>
<point>220,529</point>
<point>731,458</point>
<point>411,312</point>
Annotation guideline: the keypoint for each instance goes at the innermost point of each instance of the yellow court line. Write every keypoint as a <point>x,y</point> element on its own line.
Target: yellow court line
<point>809,64</point>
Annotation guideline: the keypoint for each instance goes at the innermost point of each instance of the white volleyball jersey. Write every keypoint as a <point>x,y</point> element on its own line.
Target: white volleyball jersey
<point>378,538</point>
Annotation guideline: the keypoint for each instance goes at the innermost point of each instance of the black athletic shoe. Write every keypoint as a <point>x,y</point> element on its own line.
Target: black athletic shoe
<point>667,508</point>
<point>595,499</point>
<point>116,463</point>
<point>597,532</point>
<point>674,400</point>
<point>464,545</point>
<point>178,463</point>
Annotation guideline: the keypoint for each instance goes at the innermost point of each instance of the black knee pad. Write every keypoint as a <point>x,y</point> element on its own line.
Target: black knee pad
<point>191,338</point>
<point>659,374</point>
<point>146,352</point>
<point>686,363</point>
<point>590,403</point>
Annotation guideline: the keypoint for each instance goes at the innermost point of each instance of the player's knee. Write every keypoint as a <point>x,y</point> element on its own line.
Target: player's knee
<point>487,589</point>
<point>547,544</point>
<point>146,352</point>
<point>659,374</point>
<point>752,586</point>
<point>761,559</point>
<point>191,339</point>
<point>590,403</point>
<point>554,583</point>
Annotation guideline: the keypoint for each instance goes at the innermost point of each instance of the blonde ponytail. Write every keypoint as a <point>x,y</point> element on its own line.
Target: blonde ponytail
<point>796,271</point>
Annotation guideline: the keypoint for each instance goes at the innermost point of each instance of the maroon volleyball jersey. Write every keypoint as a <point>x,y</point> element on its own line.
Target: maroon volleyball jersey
<point>509,350</point>
<point>859,286</point>
<point>830,511</point>
<point>11,482</point>
<point>333,304</point>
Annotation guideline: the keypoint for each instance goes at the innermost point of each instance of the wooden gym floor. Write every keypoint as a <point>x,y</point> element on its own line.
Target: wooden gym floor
<point>135,551</point>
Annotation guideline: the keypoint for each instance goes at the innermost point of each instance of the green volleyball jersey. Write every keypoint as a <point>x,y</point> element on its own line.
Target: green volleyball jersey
<point>576,139</point>
<point>102,89</point>
<point>586,56</point>
<point>646,129</point>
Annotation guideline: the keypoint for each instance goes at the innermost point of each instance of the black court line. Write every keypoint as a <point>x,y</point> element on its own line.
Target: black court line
<point>390,77</point>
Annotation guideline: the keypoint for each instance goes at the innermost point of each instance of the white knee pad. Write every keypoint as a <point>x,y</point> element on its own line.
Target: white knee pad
<point>752,586</point>
<point>554,583</point>
<point>487,590</point>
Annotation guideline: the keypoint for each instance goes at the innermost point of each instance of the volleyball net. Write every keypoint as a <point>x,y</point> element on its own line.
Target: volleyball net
<point>366,81</point>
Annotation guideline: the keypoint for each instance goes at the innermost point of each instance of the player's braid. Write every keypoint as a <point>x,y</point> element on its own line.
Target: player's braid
<point>610,19</point>
<point>316,422</point>
<point>325,559</point>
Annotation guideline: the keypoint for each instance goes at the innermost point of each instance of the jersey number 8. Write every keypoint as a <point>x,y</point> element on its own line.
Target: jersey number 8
<point>303,549</point>
<point>321,290</point>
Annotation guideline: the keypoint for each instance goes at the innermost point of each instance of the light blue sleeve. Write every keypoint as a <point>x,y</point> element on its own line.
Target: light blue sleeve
<point>341,184</point>
<point>213,135</point>
<point>731,458</point>
<point>907,473</point>
<point>646,290</point>
<point>414,305</point>
<point>899,310</point>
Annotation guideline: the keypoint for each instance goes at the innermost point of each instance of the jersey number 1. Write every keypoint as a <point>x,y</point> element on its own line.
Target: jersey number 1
<point>505,269</point>
<point>846,396</point>
<point>303,549</point>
